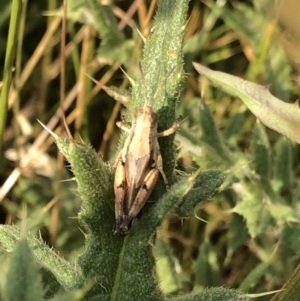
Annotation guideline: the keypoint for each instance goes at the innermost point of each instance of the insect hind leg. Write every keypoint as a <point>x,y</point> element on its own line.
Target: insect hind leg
<point>171,130</point>
<point>159,167</point>
<point>141,198</point>
<point>120,194</point>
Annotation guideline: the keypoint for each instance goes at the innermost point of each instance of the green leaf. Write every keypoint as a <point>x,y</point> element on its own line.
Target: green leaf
<point>206,184</point>
<point>282,212</point>
<point>254,277</point>
<point>255,211</point>
<point>74,295</point>
<point>237,233</point>
<point>274,113</point>
<point>50,284</point>
<point>94,179</point>
<point>166,207</point>
<point>261,150</point>
<point>169,279</point>
<point>113,47</point>
<point>109,258</point>
<point>283,175</point>
<point>23,280</point>
<point>234,126</point>
<point>289,237</point>
<point>291,289</point>
<point>210,134</point>
<point>262,158</point>
<point>207,269</point>
<point>118,264</point>
<point>65,273</point>
<point>213,294</point>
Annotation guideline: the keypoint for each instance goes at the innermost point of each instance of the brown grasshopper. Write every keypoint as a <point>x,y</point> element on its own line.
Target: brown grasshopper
<point>137,166</point>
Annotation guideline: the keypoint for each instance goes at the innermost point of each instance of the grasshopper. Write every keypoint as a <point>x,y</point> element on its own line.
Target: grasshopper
<point>138,165</point>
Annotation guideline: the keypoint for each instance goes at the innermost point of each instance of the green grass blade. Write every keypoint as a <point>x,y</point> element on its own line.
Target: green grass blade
<point>8,64</point>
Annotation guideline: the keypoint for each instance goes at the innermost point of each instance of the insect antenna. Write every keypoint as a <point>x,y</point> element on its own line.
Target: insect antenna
<point>144,84</point>
<point>161,85</point>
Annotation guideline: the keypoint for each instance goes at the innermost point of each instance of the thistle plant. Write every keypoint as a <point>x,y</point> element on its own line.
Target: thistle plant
<point>246,237</point>
<point>113,267</point>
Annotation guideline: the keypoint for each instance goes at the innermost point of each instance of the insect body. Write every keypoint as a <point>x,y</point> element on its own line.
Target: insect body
<point>137,167</point>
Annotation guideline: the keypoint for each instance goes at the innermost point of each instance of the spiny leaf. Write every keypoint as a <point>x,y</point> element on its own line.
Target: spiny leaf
<point>123,267</point>
<point>255,211</point>
<point>23,280</point>
<point>278,115</point>
<point>65,273</point>
<point>206,184</point>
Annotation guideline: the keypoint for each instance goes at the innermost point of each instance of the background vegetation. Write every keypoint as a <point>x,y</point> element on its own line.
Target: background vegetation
<point>247,236</point>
